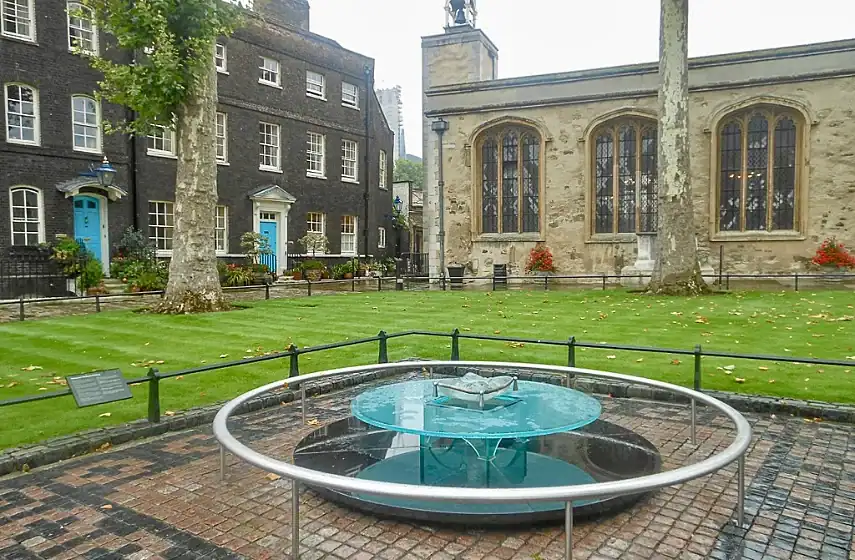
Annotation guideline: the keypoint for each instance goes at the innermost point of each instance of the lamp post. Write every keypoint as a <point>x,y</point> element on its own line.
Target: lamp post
<point>440,126</point>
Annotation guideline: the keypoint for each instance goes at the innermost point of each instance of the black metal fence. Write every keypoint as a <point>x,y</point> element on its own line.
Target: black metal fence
<point>32,272</point>
<point>154,376</point>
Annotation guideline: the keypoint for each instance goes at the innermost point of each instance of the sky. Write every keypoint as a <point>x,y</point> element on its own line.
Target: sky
<point>547,36</point>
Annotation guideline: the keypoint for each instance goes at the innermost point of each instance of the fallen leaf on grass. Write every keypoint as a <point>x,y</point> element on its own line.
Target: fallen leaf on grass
<point>42,388</point>
<point>160,362</point>
<point>676,362</point>
<point>31,368</point>
<point>739,379</point>
<point>105,415</point>
<point>497,332</point>
<point>640,360</point>
<point>611,357</point>
<point>771,381</point>
<point>763,368</point>
<point>224,355</point>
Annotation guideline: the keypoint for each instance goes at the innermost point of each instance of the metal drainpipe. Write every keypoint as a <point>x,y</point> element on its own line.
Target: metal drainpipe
<point>441,189</point>
<point>369,96</point>
<point>132,163</point>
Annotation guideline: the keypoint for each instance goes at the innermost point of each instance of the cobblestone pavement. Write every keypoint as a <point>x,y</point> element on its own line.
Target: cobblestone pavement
<point>160,499</point>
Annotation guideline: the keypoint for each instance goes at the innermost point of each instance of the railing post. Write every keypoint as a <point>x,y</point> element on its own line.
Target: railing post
<point>295,519</point>
<point>21,308</point>
<point>222,463</point>
<point>546,283</point>
<point>97,303</point>
<point>294,370</point>
<point>796,275</point>
<point>697,386</point>
<point>720,263</point>
<point>379,283</point>
<point>604,282</point>
<point>494,279</point>
<point>309,286</point>
<point>153,396</point>
<point>383,353</point>
<point>568,530</point>
<point>455,345</point>
<point>740,492</point>
<point>266,290</point>
<point>727,280</point>
<point>571,359</point>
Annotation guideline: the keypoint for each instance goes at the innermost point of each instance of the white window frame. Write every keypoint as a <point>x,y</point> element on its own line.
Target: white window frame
<point>221,224</point>
<point>381,237</point>
<point>224,67</point>
<point>345,171</point>
<point>168,231</point>
<point>384,170</point>
<point>71,7</point>
<point>40,233</point>
<point>316,149</point>
<point>278,147</point>
<point>351,235</point>
<point>97,127</point>
<point>277,70</point>
<point>321,222</point>
<point>163,135</point>
<point>224,159</point>
<point>36,120</point>
<point>31,20</point>
<point>316,85</point>
<point>350,99</point>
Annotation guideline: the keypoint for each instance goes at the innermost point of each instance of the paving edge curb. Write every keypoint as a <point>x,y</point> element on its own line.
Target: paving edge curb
<point>82,443</point>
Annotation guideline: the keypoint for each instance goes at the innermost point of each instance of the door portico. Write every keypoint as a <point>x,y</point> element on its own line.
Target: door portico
<point>270,207</point>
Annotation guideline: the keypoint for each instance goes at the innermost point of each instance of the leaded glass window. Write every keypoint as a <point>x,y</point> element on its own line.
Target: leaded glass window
<point>758,171</point>
<point>510,181</point>
<point>625,177</point>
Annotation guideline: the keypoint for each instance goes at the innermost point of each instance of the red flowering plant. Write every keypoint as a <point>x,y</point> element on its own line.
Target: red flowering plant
<point>833,253</point>
<point>540,260</point>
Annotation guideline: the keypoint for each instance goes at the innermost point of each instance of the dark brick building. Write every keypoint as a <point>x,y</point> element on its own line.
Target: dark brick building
<point>303,144</point>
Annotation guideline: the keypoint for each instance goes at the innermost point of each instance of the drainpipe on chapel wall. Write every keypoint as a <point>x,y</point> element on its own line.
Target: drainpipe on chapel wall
<point>369,96</point>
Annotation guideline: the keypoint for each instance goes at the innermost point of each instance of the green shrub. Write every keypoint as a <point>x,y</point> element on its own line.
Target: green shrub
<point>313,265</point>
<point>135,246</point>
<point>92,274</point>
<point>145,276</point>
<point>238,276</point>
<point>69,254</point>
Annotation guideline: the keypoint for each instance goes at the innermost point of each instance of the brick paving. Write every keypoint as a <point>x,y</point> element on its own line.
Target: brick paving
<point>161,499</point>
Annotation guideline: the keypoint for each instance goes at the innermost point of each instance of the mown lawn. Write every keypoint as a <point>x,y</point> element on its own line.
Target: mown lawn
<point>33,353</point>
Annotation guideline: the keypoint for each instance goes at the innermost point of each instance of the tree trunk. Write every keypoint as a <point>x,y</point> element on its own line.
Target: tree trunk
<point>194,284</point>
<point>677,270</point>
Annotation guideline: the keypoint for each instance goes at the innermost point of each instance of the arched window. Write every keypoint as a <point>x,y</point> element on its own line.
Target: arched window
<point>27,223</point>
<point>624,190</point>
<point>510,163</point>
<point>82,33</point>
<point>758,170</point>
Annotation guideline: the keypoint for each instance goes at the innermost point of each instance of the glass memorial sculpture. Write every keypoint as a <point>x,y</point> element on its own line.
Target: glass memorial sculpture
<point>476,431</point>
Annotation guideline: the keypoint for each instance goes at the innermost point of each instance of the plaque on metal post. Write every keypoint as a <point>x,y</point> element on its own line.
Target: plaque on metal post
<point>99,387</point>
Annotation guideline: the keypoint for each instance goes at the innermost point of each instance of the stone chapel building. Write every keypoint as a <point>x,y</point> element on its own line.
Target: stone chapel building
<point>569,159</point>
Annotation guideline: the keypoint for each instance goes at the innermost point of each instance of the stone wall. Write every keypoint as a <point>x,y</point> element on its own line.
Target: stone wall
<point>827,189</point>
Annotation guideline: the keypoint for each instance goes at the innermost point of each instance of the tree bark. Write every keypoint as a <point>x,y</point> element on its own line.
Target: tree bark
<point>194,284</point>
<point>677,270</point>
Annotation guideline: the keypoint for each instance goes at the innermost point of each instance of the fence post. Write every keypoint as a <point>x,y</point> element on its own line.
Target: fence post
<point>604,282</point>
<point>455,345</point>
<point>294,370</point>
<point>380,283</point>
<point>494,279</point>
<point>727,279</point>
<point>796,275</point>
<point>571,352</point>
<point>697,388</point>
<point>720,263</point>
<point>266,290</point>
<point>153,396</point>
<point>21,308</point>
<point>383,355</point>
<point>309,286</point>
<point>546,282</point>
<point>97,303</point>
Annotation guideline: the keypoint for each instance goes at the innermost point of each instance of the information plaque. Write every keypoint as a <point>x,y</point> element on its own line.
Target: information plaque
<point>99,387</point>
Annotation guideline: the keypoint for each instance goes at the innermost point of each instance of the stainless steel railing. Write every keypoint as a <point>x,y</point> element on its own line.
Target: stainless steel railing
<point>735,452</point>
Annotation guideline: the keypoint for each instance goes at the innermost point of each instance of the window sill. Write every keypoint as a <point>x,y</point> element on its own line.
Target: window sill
<point>508,237</point>
<point>84,52</point>
<point>316,96</point>
<point>349,106</point>
<point>163,253</point>
<point>312,175</point>
<point>383,188</point>
<point>166,155</point>
<point>223,163</point>
<point>23,143</point>
<point>741,236</point>
<point>269,169</point>
<point>19,38</point>
<point>269,84</point>
<point>85,151</point>
<point>223,72</point>
<point>613,238</point>
<point>349,180</point>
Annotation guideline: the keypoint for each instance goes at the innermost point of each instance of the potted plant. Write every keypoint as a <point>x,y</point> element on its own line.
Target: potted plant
<point>313,270</point>
<point>832,258</point>
<point>347,270</point>
<point>314,243</point>
<point>540,261</point>
<point>297,272</point>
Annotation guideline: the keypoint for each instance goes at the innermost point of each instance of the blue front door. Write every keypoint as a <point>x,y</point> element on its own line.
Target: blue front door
<point>268,229</point>
<point>87,223</point>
